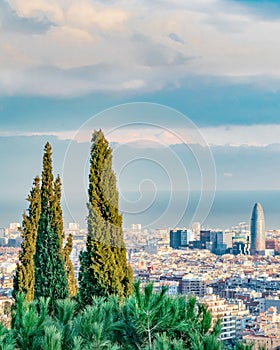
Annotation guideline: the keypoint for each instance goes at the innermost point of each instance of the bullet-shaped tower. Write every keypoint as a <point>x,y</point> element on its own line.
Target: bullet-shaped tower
<point>257,231</point>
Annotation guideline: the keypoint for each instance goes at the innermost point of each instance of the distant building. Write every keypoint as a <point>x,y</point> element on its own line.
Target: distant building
<point>259,341</point>
<point>234,316</point>
<point>3,241</point>
<point>272,301</point>
<point>73,226</point>
<point>193,285</point>
<point>208,240</point>
<point>196,229</point>
<point>136,227</point>
<point>179,238</point>
<point>240,245</point>
<point>172,287</point>
<point>267,330</point>
<point>273,244</point>
<point>2,232</point>
<point>223,241</point>
<point>14,226</point>
<point>257,231</point>
<point>7,267</point>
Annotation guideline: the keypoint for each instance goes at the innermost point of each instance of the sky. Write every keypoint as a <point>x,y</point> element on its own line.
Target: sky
<point>187,92</point>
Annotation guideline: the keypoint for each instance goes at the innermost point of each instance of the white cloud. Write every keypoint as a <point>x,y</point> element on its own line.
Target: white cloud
<point>65,35</point>
<point>84,15</point>
<point>51,9</point>
<point>234,136</point>
<point>251,135</point>
<point>129,46</point>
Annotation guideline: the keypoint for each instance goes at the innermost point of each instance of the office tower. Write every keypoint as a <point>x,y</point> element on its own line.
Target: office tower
<point>208,240</point>
<point>179,238</point>
<point>257,231</point>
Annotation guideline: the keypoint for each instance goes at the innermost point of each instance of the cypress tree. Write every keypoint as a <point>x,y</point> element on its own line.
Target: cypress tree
<point>69,268</point>
<point>66,251</point>
<point>24,276</point>
<point>57,217</point>
<point>104,270</point>
<point>50,276</point>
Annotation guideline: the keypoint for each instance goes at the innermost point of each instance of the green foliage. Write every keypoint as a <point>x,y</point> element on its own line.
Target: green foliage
<point>95,325</point>
<point>162,342</point>
<point>244,346</point>
<point>45,268</point>
<point>24,276</point>
<point>144,320</point>
<point>51,339</point>
<point>248,346</point>
<point>148,316</point>
<point>104,270</point>
<point>6,339</point>
<point>64,321</point>
<point>66,251</point>
<point>29,320</point>
<point>50,275</point>
<point>69,268</point>
<point>57,220</point>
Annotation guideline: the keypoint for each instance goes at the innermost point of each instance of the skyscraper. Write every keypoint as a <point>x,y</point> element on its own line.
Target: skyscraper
<point>257,231</point>
<point>179,238</point>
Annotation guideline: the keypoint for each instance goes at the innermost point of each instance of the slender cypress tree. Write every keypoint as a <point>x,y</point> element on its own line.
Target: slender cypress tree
<point>66,251</point>
<point>69,268</point>
<point>57,217</point>
<point>50,276</point>
<point>104,270</point>
<point>24,277</point>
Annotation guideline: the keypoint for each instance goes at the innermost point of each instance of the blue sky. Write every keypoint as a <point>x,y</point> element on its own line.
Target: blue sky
<point>215,61</point>
<point>208,102</point>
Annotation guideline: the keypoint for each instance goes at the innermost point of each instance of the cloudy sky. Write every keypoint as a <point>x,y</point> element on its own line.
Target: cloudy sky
<point>215,64</point>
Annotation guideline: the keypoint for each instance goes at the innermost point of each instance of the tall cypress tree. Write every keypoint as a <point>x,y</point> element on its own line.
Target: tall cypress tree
<point>57,217</point>
<point>69,268</point>
<point>50,276</point>
<point>66,251</point>
<point>24,277</point>
<point>104,269</point>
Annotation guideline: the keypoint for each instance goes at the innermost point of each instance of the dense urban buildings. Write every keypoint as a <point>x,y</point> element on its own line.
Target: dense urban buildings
<point>239,286</point>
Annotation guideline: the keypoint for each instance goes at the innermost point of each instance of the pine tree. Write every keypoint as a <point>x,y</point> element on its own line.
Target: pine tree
<point>66,251</point>
<point>50,276</point>
<point>24,277</point>
<point>104,270</point>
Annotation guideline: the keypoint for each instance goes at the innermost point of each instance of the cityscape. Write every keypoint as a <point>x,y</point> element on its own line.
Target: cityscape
<point>139,182</point>
<point>235,272</point>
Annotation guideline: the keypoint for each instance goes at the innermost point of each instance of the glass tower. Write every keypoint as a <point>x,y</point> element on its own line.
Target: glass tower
<point>257,231</point>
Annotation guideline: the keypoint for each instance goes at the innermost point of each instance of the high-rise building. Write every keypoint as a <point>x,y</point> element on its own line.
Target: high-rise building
<point>179,238</point>
<point>224,241</point>
<point>257,231</point>
<point>208,240</point>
